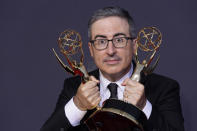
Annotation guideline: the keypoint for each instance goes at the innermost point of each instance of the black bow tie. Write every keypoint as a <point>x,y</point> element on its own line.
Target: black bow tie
<point>113,90</point>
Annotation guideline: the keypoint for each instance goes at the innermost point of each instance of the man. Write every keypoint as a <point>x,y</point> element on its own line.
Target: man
<point>112,44</point>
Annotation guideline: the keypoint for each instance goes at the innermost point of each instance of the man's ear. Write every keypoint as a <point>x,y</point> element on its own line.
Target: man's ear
<point>90,48</point>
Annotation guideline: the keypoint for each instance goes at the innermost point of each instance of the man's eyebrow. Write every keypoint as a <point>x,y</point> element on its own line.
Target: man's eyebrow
<point>117,34</point>
<point>103,36</point>
<point>100,36</point>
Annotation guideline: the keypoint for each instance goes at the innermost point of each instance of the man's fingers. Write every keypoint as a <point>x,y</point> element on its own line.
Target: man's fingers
<point>88,94</point>
<point>125,82</point>
<point>92,91</point>
<point>96,101</point>
<point>134,90</point>
<point>93,100</point>
<point>88,85</point>
<point>92,78</point>
<point>133,86</point>
<point>94,97</point>
<point>130,82</point>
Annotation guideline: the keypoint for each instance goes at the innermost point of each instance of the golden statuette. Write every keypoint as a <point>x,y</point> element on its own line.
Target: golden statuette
<point>148,42</point>
<point>70,45</point>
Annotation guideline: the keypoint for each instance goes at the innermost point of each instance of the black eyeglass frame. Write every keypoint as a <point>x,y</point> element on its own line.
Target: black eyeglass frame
<point>127,38</point>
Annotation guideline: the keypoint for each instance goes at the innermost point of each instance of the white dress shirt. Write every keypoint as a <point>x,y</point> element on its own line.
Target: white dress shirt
<point>74,115</point>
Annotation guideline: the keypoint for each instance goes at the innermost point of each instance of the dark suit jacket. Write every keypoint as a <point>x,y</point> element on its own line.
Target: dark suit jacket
<point>162,92</point>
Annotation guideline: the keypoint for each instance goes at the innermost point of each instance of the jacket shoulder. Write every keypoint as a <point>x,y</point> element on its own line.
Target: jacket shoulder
<point>160,79</point>
<point>158,86</point>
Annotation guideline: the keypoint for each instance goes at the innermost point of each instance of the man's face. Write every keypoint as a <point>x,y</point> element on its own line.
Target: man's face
<point>112,62</point>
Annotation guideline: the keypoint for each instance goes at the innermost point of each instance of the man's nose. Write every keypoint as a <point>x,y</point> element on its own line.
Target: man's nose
<point>111,50</point>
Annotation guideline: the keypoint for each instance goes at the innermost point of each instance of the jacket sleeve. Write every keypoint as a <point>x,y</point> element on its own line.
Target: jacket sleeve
<point>58,121</point>
<point>166,112</point>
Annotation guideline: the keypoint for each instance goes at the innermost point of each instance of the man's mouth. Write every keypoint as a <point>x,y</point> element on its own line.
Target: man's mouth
<point>112,61</point>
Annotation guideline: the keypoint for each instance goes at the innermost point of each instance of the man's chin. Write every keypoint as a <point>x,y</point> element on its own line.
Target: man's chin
<point>111,72</point>
<point>114,72</point>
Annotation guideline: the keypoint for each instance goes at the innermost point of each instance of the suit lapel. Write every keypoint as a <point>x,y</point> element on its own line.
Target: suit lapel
<point>95,73</point>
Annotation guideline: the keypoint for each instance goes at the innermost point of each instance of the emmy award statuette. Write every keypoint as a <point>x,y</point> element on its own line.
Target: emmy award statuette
<point>70,45</point>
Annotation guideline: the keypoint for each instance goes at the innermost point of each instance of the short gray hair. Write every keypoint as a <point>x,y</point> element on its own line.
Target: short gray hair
<point>112,11</point>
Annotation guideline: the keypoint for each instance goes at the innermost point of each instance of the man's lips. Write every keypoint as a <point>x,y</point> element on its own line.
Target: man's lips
<point>112,61</point>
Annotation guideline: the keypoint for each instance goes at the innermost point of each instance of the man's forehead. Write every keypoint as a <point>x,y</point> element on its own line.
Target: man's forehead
<point>110,26</point>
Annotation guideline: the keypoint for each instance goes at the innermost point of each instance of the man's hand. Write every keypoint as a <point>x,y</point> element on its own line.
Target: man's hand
<point>134,93</point>
<point>88,95</point>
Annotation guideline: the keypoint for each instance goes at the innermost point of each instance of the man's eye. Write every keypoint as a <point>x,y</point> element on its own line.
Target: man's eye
<point>101,41</point>
<point>119,40</point>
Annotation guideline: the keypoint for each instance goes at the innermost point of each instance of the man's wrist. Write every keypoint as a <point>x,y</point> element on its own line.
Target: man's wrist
<point>73,113</point>
<point>77,103</point>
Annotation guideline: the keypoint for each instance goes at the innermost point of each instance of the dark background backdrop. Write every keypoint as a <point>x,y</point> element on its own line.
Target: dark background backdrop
<point>30,77</point>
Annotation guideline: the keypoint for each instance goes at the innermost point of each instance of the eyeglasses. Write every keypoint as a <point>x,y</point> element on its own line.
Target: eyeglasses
<point>118,42</point>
